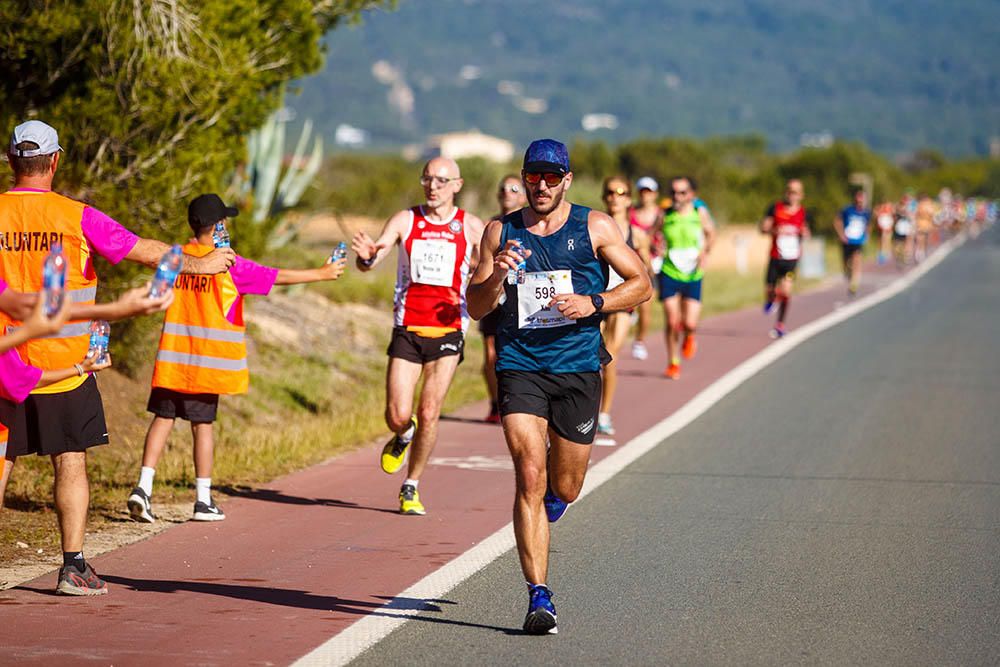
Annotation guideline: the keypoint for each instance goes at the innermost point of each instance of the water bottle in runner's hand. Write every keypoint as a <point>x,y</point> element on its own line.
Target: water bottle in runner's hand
<point>339,253</point>
<point>522,266</point>
<point>220,235</point>
<point>166,272</point>
<point>100,334</point>
<point>54,280</point>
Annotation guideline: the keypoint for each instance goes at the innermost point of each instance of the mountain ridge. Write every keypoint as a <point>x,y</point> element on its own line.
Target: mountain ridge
<point>896,75</point>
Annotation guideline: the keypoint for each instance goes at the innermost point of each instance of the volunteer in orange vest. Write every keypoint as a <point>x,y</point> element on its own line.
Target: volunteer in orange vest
<point>203,354</point>
<point>18,379</point>
<point>438,250</point>
<point>66,418</point>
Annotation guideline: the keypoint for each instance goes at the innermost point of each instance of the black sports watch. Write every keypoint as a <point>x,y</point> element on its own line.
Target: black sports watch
<point>598,302</point>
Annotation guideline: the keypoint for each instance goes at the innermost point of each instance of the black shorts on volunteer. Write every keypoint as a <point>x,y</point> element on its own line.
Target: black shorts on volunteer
<point>48,424</point>
<point>489,324</point>
<point>569,401</point>
<point>421,349</point>
<point>195,408</point>
<point>779,268</point>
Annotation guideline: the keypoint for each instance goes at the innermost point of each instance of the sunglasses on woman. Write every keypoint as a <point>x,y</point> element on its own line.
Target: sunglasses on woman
<point>551,179</point>
<point>616,191</point>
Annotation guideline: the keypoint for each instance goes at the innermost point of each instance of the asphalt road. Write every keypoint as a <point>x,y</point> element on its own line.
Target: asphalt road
<point>842,507</point>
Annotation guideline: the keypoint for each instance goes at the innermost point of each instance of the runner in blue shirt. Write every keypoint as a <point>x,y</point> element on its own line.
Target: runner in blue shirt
<point>549,275</point>
<point>852,225</point>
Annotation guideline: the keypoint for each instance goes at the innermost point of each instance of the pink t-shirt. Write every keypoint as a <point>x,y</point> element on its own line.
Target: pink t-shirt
<point>17,378</point>
<point>105,236</point>
<point>251,277</point>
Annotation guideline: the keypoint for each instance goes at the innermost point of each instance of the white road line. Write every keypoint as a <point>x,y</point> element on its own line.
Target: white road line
<point>366,632</point>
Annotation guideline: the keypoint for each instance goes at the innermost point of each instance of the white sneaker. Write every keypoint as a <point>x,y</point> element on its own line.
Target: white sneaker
<point>209,512</point>
<point>639,351</point>
<point>140,506</point>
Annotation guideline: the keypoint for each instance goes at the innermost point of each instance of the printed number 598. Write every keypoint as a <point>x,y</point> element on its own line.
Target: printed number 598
<point>545,292</point>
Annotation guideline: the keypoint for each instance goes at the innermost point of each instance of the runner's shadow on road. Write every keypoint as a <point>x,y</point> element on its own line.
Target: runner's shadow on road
<point>273,496</point>
<point>298,599</point>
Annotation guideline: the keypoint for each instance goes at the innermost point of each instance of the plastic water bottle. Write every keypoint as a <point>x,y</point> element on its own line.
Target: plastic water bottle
<point>220,235</point>
<point>339,253</point>
<point>100,334</point>
<point>54,279</point>
<point>517,277</point>
<point>166,272</point>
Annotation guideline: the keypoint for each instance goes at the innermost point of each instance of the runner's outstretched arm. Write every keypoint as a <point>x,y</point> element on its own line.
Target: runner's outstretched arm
<point>371,253</point>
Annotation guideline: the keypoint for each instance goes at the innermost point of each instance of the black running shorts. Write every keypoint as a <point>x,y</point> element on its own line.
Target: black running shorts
<point>569,401</point>
<point>195,408</point>
<point>420,350</point>
<point>779,268</point>
<point>850,250</point>
<point>47,424</point>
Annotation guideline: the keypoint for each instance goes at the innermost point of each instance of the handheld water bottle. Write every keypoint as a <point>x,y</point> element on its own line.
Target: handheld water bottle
<point>220,235</point>
<point>166,272</point>
<point>339,253</point>
<point>517,277</point>
<point>54,279</point>
<point>100,334</point>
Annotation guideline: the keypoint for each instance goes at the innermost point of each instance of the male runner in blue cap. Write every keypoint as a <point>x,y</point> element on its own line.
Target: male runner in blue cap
<point>549,350</point>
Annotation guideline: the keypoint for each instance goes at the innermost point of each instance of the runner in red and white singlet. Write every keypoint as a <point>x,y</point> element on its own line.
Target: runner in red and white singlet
<point>438,248</point>
<point>787,222</point>
<point>432,272</point>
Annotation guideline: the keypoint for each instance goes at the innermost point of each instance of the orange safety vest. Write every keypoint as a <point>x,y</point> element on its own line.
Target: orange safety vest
<point>30,222</point>
<point>202,352</point>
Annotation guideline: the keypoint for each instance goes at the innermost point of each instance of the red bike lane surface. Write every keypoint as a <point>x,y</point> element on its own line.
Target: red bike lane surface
<point>304,557</point>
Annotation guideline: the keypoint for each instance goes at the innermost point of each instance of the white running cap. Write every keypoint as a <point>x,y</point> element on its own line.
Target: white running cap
<point>38,132</point>
<point>647,183</point>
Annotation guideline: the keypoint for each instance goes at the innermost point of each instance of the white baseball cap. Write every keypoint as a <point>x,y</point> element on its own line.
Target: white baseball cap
<point>38,132</point>
<point>647,183</point>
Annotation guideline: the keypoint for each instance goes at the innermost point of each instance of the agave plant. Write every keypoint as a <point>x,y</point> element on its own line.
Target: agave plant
<point>263,182</point>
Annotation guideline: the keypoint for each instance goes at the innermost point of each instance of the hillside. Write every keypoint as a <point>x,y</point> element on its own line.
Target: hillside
<point>897,75</point>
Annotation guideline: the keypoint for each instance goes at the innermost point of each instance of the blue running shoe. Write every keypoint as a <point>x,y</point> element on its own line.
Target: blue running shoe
<point>768,307</point>
<point>541,618</point>
<point>555,506</point>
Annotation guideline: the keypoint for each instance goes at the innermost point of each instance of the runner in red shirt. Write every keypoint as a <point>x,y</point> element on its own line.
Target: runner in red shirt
<point>438,249</point>
<point>787,222</point>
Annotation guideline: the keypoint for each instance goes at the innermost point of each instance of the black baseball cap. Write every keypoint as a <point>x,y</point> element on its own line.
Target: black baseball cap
<point>206,210</point>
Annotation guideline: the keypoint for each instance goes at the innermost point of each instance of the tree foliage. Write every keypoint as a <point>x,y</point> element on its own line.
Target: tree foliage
<point>153,98</point>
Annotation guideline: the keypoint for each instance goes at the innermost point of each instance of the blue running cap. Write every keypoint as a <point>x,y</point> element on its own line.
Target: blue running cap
<point>546,156</point>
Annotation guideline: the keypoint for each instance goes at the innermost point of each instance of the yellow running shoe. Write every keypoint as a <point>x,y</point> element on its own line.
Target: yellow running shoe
<point>394,452</point>
<point>409,501</point>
